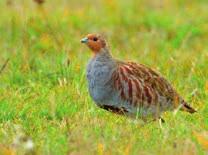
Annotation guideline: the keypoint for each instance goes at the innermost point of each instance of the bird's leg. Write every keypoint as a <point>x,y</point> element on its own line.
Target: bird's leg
<point>161,121</point>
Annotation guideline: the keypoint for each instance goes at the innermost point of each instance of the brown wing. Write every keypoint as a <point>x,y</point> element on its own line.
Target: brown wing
<point>140,85</point>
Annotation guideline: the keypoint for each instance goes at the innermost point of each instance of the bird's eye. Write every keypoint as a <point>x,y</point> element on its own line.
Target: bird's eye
<point>95,39</point>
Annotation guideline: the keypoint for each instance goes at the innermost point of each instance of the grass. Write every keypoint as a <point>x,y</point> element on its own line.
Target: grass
<point>43,89</point>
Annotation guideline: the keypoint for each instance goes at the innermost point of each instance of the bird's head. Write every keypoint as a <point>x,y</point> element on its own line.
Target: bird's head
<point>95,42</point>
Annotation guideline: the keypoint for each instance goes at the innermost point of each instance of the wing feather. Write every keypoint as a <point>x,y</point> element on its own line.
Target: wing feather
<point>140,85</point>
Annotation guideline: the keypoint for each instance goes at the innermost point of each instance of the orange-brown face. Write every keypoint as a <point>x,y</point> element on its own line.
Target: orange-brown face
<point>94,42</point>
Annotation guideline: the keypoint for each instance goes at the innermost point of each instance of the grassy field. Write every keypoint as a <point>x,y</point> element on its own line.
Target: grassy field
<point>44,101</point>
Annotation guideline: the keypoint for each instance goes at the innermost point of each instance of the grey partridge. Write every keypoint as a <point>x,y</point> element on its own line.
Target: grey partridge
<point>128,88</point>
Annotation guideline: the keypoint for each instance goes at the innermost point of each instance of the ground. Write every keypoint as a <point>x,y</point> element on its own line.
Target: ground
<point>44,103</point>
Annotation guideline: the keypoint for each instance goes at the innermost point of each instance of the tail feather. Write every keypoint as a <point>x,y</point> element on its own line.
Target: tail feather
<point>188,108</point>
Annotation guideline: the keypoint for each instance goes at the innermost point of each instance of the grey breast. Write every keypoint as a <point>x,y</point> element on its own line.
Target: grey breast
<point>99,72</point>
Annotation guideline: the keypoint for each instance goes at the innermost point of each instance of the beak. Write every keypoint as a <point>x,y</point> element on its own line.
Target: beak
<point>84,40</point>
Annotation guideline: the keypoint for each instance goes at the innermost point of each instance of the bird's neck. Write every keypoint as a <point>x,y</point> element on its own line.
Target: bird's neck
<point>104,53</point>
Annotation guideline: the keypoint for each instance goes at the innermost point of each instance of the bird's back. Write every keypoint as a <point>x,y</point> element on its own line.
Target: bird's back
<point>145,88</point>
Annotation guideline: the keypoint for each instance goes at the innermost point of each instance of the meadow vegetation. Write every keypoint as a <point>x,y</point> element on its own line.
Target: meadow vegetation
<point>43,89</point>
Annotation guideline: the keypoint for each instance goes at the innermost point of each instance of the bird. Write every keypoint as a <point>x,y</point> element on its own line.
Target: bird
<point>128,88</point>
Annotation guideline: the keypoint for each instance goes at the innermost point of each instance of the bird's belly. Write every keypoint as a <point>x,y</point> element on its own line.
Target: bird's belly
<point>108,97</point>
<point>102,95</point>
